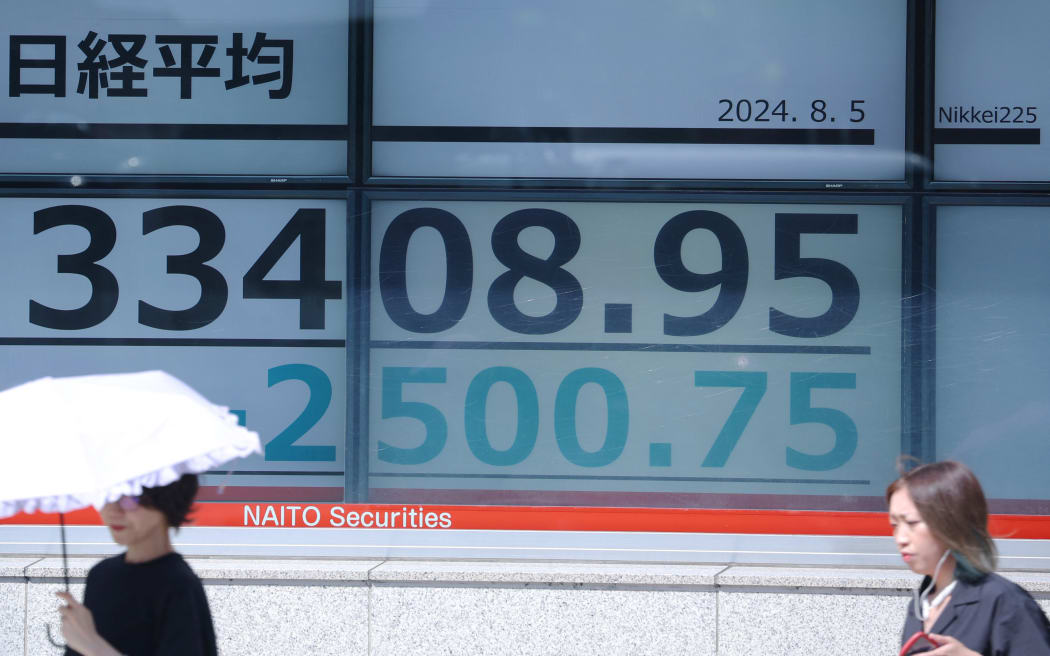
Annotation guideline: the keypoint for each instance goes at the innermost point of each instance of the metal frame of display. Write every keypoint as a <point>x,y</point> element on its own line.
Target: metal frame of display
<point>918,195</point>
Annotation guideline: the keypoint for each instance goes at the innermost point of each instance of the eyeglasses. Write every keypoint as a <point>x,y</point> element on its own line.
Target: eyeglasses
<point>127,502</point>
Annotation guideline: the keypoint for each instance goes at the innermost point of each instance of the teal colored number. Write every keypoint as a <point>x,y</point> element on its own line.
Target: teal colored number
<point>283,447</point>
<point>528,416</point>
<point>565,417</point>
<point>394,378</point>
<point>802,413</point>
<point>754,385</point>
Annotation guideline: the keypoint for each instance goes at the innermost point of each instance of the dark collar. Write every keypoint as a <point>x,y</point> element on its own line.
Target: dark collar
<point>964,594</point>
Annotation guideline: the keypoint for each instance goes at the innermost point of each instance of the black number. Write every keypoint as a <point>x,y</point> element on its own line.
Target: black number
<point>1020,113</point>
<point>459,270</point>
<point>214,290</point>
<point>104,290</point>
<point>744,110</point>
<point>567,290</point>
<point>729,108</point>
<point>845,292</point>
<point>763,112</point>
<point>818,114</point>
<point>1029,111</point>
<point>1002,118</point>
<point>743,117</point>
<point>312,290</point>
<point>855,108</point>
<point>732,277</point>
<point>781,110</point>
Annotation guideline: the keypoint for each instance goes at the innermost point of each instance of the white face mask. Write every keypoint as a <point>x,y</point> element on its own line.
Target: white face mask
<point>922,605</point>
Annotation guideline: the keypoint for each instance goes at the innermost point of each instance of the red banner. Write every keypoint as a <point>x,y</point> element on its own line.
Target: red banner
<point>556,518</point>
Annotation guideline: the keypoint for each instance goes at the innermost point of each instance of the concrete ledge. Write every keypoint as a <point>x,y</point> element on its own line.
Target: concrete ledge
<point>549,573</point>
<point>15,567</point>
<point>375,607</point>
<point>51,568</point>
<point>227,569</point>
<point>325,571</point>
<point>1037,583</point>
<point>817,577</point>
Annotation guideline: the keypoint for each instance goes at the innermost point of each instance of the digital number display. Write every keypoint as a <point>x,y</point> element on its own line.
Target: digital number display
<point>559,348</point>
<point>991,97</point>
<point>245,300</point>
<point>200,88</point>
<point>755,90</point>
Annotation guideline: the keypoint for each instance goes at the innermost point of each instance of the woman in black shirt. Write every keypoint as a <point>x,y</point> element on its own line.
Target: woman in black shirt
<point>962,607</point>
<point>146,601</point>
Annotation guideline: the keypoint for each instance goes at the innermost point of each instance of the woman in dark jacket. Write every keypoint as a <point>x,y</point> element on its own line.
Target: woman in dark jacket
<point>940,523</point>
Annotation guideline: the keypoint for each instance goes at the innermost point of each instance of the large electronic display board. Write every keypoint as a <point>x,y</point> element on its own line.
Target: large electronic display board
<point>991,92</point>
<point>189,88</point>
<point>634,353</point>
<point>992,363</point>
<point>754,90</point>
<point>244,299</point>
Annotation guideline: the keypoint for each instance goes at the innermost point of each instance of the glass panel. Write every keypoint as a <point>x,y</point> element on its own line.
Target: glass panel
<point>201,88</point>
<point>991,94</point>
<point>674,90</point>
<point>254,320</point>
<point>993,367</point>
<point>663,354</point>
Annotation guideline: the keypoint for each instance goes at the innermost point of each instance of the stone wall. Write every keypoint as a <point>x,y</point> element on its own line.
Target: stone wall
<point>399,607</point>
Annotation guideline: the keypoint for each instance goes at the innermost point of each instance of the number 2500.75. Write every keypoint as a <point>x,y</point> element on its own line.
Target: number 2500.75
<point>753,384</point>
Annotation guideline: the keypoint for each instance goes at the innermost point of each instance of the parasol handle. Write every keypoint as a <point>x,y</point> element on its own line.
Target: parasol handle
<point>65,573</point>
<point>65,561</point>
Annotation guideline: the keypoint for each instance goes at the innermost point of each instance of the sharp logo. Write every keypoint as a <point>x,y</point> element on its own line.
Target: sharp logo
<point>278,179</point>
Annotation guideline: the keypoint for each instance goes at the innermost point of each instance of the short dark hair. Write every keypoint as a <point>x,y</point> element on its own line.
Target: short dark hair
<point>174,500</point>
<point>950,500</point>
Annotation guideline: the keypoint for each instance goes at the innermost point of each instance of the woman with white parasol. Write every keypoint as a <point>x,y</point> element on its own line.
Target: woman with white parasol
<point>130,445</point>
<point>146,600</point>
